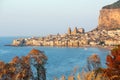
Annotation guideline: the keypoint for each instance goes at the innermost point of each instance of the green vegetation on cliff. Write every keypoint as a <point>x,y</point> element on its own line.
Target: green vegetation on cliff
<point>113,6</point>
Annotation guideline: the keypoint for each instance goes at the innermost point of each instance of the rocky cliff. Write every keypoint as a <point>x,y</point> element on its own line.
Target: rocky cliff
<point>110,16</point>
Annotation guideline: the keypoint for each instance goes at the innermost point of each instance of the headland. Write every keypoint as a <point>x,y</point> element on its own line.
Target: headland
<point>106,34</point>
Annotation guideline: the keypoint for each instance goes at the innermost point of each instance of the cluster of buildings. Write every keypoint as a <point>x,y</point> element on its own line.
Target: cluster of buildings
<point>76,38</point>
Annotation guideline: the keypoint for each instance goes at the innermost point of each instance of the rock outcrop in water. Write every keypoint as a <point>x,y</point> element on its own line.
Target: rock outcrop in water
<point>110,16</point>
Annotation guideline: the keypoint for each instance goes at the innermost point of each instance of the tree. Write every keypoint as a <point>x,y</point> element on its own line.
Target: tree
<point>93,62</point>
<point>92,69</point>
<point>20,68</point>
<point>113,65</point>
<point>38,60</point>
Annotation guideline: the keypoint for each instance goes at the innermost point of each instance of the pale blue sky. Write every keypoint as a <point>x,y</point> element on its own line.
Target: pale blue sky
<point>43,17</point>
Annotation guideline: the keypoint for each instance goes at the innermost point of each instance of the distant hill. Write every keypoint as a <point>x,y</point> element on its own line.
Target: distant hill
<point>113,6</point>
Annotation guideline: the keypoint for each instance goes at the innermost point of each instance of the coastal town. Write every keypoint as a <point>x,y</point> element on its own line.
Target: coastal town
<point>76,38</point>
<point>106,34</point>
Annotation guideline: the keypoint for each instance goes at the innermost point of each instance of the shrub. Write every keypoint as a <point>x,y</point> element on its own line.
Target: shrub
<point>113,65</point>
<point>20,68</point>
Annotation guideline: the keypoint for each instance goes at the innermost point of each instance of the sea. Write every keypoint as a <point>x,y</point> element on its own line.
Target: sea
<point>61,60</point>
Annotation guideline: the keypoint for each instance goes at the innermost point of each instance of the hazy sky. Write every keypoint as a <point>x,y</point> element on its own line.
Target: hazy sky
<point>43,17</point>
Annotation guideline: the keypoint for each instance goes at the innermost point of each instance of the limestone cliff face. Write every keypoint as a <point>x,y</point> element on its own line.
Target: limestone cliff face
<point>109,19</point>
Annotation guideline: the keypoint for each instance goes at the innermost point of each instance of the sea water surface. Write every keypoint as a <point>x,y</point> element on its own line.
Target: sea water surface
<point>61,61</point>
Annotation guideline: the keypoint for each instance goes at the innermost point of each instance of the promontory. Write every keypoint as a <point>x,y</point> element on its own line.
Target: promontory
<point>107,33</point>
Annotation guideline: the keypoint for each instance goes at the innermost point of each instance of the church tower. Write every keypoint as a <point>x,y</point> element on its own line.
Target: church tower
<point>75,31</point>
<point>69,30</point>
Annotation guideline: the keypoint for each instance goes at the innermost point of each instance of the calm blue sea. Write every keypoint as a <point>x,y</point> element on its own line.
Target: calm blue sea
<point>60,60</point>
